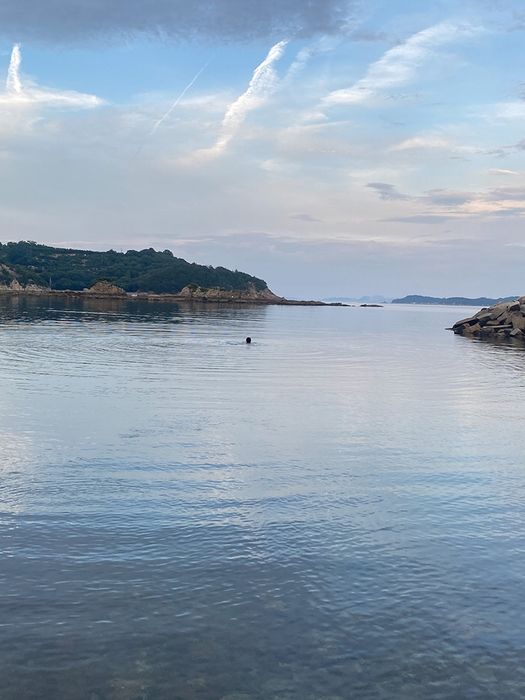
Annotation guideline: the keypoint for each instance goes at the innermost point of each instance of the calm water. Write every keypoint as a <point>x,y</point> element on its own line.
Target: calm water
<point>336,511</point>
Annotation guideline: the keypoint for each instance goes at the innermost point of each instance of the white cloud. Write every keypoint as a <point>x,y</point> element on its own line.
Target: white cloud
<point>26,94</point>
<point>399,65</point>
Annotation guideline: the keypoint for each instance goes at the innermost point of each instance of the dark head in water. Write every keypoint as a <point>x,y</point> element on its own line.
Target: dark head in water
<point>248,340</point>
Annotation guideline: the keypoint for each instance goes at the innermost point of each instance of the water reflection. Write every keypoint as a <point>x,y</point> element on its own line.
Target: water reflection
<point>333,512</point>
<point>33,309</point>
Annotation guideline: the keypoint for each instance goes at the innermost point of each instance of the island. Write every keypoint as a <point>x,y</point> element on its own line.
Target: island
<point>29,268</point>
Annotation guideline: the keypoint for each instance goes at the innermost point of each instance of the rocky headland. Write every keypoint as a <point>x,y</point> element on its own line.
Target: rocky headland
<point>502,320</point>
<point>32,269</point>
<point>190,293</point>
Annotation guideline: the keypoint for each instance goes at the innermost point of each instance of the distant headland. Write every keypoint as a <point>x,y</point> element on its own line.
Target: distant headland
<point>30,269</point>
<point>450,301</point>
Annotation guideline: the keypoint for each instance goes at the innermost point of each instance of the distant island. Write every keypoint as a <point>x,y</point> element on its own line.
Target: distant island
<point>451,301</point>
<point>360,300</point>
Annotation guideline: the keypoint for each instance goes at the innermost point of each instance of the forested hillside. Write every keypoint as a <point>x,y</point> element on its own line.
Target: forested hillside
<point>136,270</point>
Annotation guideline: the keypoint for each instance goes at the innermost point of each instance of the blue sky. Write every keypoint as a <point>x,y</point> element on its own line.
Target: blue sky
<point>340,150</point>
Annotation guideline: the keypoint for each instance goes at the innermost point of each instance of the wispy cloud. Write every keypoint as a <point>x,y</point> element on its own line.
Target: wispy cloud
<point>399,65</point>
<point>27,94</point>
<point>508,111</point>
<point>367,35</point>
<point>417,142</point>
<point>419,219</point>
<point>262,85</point>
<point>320,46</point>
<point>501,171</point>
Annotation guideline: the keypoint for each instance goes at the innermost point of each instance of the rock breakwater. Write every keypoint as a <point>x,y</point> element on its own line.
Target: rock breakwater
<point>502,320</point>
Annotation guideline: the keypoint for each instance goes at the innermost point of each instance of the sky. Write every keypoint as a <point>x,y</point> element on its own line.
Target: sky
<point>333,148</point>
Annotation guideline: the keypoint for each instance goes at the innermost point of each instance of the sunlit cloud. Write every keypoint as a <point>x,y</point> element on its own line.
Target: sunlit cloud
<point>501,171</point>
<point>433,205</point>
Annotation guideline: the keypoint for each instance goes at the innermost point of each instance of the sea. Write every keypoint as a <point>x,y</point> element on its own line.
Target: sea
<point>333,512</point>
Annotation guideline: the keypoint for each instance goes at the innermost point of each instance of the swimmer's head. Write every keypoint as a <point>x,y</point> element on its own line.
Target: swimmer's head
<point>248,340</point>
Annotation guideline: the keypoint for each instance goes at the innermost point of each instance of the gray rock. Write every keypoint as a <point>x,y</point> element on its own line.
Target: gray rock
<point>484,316</point>
<point>517,320</point>
<point>471,330</point>
<point>499,309</point>
<point>505,319</point>
<point>466,321</point>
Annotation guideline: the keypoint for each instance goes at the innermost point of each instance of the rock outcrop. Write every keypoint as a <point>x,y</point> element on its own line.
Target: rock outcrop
<point>194,293</point>
<point>503,320</point>
<point>106,289</point>
<point>16,288</point>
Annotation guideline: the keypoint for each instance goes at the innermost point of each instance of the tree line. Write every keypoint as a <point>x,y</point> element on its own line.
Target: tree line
<point>145,270</point>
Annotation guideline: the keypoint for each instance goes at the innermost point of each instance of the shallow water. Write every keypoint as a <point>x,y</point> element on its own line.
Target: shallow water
<point>336,511</point>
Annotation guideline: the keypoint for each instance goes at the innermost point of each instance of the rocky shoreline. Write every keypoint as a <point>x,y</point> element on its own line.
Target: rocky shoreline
<point>502,320</point>
<point>190,293</point>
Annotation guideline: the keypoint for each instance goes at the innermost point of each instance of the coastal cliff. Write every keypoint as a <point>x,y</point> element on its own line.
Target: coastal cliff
<point>502,320</point>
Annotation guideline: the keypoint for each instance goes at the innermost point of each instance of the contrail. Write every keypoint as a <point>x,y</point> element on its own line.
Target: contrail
<point>13,84</point>
<point>179,98</point>
<point>261,85</point>
<point>170,110</point>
